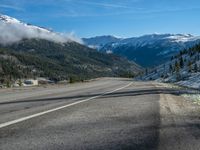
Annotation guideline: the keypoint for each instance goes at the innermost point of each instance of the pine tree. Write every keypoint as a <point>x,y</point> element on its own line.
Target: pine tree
<point>177,69</point>
<point>177,66</point>
<point>181,62</point>
<point>195,68</point>
<point>171,68</point>
<point>146,71</point>
<point>190,66</point>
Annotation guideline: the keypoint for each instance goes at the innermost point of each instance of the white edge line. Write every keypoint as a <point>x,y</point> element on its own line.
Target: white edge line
<point>2,125</point>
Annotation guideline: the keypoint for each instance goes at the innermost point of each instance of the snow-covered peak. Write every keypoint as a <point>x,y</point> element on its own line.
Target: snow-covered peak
<point>182,37</point>
<point>9,19</point>
<point>148,39</point>
<point>12,30</point>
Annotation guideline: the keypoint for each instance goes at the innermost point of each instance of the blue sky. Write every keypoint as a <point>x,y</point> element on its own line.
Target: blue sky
<point>124,18</point>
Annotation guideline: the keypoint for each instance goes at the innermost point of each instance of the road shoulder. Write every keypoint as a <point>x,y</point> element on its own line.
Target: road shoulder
<point>180,125</point>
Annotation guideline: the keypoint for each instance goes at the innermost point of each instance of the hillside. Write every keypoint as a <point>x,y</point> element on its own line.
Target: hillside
<point>29,51</point>
<point>148,50</point>
<point>183,69</point>
<point>42,58</point>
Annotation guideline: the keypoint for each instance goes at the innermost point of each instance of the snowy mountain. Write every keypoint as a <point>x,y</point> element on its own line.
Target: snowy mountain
<point>13,30</point>
<point>183,69</point>
<point>148,50</point>
<point>99,41</point>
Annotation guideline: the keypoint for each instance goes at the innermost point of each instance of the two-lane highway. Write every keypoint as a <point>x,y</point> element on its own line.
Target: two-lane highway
<point>104,114</point>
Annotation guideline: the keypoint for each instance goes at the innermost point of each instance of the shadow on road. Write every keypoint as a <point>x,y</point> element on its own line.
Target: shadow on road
<point>110,95</point>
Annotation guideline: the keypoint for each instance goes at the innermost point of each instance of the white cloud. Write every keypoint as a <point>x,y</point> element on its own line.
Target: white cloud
<point>109,5</point>
<point>14,32</point>
<point>11,7</point>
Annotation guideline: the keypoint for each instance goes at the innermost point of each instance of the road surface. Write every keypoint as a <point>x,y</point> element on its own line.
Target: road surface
<point>107,113</point>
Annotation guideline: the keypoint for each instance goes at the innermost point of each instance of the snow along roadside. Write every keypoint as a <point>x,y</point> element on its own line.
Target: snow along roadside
<point>193,96</point>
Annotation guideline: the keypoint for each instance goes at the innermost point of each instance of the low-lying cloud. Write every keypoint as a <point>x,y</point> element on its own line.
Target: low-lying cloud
<point>14,32</point>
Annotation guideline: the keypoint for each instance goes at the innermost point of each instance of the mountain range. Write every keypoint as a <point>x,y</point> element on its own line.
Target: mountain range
<point>28,51</point>
<point>148,50</point>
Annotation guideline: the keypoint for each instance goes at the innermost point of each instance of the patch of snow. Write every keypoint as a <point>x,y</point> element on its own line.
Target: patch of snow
<point>194,97</point>
<point>109,52</point>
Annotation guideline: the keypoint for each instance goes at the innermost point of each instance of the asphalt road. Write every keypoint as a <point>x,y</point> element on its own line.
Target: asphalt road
<point>104,114</point>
